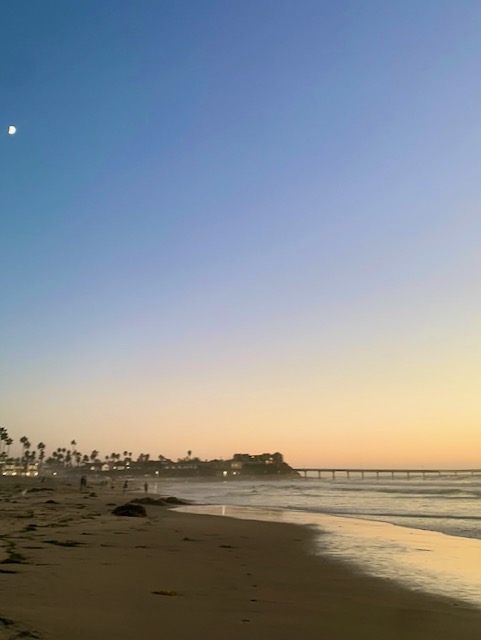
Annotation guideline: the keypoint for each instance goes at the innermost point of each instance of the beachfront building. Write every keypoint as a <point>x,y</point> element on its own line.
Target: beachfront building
<point>263,458</point>
<point>241,464</point>
<point>19,469</point>
<point>248,464</point>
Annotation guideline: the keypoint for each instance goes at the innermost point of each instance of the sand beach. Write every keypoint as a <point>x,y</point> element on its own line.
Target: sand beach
<point>71,570</point>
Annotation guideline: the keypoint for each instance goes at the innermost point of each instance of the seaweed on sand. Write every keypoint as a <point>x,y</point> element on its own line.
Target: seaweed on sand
<point>12,626</point>
<point>64,543</point>
<point>13,556</point>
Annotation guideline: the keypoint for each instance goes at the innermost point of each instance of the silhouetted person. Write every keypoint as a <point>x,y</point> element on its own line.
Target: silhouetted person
<point>83,483</point>
<point>126,485</point>
<point>146,488</point>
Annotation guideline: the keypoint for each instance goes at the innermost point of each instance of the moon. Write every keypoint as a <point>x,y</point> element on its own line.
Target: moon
<point>11,130</point>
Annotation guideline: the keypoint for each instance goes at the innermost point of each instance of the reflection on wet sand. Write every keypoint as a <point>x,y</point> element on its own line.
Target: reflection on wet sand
<point>427,560</point>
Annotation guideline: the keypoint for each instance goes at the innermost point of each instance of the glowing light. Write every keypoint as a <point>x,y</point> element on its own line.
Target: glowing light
<point>11,130</point>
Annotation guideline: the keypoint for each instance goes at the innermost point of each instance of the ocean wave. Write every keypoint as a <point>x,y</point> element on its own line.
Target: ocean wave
<point>428,491</point>
<point>385,514</point>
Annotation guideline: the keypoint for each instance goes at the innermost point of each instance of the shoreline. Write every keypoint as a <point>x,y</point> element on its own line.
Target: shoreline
<point>86,574</point>
<point>417,559</point>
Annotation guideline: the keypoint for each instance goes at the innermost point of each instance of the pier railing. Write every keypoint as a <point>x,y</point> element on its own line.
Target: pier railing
<point>406,473</point>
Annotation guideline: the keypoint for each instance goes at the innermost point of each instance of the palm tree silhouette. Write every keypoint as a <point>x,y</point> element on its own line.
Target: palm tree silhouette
<point>41,452</point>
<point>26,448</point>
<point>3,438</point>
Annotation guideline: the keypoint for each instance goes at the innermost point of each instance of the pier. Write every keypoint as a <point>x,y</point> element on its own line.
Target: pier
<point>378,473</point>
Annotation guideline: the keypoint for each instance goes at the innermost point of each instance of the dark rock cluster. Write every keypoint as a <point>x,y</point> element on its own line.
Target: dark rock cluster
<point>130,510</point>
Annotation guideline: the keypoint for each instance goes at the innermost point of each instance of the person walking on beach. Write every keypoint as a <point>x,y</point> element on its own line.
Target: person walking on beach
<point>83,483</point>
<point>146,488</point>
<point>126,486</point>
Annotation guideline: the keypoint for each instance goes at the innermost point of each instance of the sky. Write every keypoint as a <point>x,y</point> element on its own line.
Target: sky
<point>243,226</point>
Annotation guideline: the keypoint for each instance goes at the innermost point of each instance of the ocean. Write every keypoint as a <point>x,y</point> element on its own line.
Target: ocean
<point>424,533</point>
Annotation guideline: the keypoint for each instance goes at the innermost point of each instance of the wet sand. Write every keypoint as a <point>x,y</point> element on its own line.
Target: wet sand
<point>70,570</point>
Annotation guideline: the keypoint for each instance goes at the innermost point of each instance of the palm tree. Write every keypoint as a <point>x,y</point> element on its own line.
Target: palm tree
<point>74,451</point>
<point>59,455</point>
<point>25,444</point>
<point>26,448</point>
<point>8,442</point>
<point>41,452</point>
<point>3,438</point>
<point>94,455</point>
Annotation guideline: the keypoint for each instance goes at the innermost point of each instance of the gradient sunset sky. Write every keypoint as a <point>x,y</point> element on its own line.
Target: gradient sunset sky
<point>243,226</point>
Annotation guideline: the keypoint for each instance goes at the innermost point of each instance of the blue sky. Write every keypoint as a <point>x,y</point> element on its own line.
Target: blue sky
<point>242,226</point>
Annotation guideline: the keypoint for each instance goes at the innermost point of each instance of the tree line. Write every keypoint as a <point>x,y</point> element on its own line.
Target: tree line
<point>69,457</point>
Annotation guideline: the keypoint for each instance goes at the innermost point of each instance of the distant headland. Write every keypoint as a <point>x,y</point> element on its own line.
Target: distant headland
<point>68,461</point>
